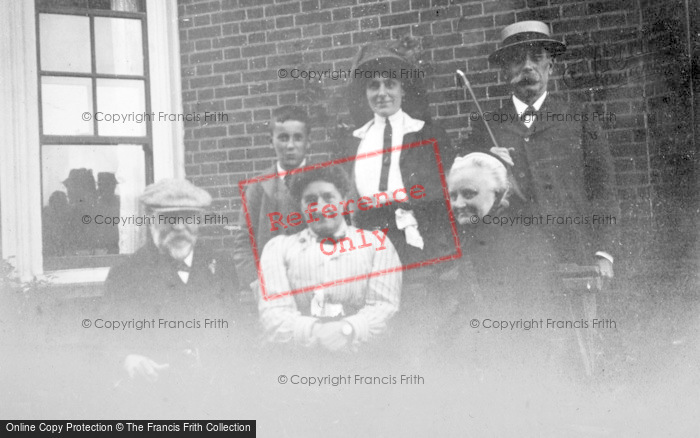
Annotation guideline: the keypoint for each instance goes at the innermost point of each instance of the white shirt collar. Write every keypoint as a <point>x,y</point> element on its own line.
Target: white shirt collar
<point>399,118</point>
<point>394,119</point>
<point>188,259</point>
<point>313,237</point>
<point>521,106</point>
<point>280,169</point>
<point>185,275</point>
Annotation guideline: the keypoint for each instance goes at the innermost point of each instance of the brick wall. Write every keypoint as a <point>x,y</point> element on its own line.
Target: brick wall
<point>618,60</point>
<point>669,123</point>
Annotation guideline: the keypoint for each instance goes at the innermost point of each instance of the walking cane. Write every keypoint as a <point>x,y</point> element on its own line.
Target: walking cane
<point>513,183</point>
<point>586,346</point>
<point>468,86</point>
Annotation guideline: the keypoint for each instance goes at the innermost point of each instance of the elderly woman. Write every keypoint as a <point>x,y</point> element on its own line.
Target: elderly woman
<point>478,185</point>
<point>509,255</point>
<point>507,272</point>
<point>388,102</point>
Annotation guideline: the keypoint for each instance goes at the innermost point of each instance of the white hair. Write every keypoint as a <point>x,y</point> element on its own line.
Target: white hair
<point>490,164</point>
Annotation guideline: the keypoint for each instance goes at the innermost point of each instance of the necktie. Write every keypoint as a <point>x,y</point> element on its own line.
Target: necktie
<point>529,115</point>
<point>181,266</point>
<point>288,180</point>
<point>386,158</point>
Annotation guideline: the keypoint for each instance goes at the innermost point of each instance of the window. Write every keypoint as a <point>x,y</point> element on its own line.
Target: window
<point>28,174</point>
<point>96,139</point>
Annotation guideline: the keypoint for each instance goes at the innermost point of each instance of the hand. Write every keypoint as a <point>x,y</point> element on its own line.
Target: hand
<point>503,154</point>
<point>606,267</point>
<point>330,335</point>
<point>135,364</point>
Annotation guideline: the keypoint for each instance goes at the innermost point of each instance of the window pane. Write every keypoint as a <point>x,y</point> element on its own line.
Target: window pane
<point>118,46</point>
<point>65,43</point>
<point>117,5</point>
<point>95,182</point>
<point>114,5</point>
<point>61,4</point>
<point>63,102</point>
<point>121,105</point>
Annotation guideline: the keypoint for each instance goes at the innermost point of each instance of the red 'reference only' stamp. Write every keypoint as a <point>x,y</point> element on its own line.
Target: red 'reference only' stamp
<point>362,204</point>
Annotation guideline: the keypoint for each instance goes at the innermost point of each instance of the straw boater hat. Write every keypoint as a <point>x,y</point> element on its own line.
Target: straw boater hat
<point>526,34</point>
<point>388,58</point>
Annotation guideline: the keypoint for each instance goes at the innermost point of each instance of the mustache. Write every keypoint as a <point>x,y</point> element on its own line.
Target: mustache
<point>177,236</point>
<point>524,79</point>
<point>465,210</point>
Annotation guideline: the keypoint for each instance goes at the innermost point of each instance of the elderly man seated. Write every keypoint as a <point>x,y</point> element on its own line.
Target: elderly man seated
<point>341,307</point>
<point>172,299</point>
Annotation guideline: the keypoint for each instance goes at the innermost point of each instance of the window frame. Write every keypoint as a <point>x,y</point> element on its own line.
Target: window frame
<point>94,261</point>
<point>20,161</point>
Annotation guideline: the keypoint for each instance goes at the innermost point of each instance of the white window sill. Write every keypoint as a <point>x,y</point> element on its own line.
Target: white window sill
<point>75,276</point>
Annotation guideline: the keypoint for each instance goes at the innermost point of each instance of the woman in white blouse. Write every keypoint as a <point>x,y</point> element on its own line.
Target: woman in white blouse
<point>388,102</point>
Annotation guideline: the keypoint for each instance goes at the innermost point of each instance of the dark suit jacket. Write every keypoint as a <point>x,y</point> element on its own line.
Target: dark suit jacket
<point>419,166</point>
<point>148,287</point>
<point>262,198</point>
<point>564,168</point>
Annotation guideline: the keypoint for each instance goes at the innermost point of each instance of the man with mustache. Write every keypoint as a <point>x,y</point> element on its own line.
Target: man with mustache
<point>175,285</point>
<point>561,163</point>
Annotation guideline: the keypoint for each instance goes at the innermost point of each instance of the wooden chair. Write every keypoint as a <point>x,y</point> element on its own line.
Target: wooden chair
<point>582,284</point>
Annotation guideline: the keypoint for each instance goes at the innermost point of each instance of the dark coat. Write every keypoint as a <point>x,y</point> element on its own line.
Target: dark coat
<point>505,276</point>
<point>564,168</point>
<point>148,287</point>
<point>418,166</point>
<point>262,198</point>
<point>513,268</point>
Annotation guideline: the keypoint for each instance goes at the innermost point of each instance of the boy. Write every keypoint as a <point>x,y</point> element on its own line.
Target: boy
<point>290,130</point>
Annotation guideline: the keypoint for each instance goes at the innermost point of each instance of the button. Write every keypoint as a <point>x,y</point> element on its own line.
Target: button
<point>521,174</point>
<point>527,138</point>
<point>347,329</point>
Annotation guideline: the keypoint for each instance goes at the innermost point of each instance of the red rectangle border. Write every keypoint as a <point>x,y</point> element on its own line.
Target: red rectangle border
<point>242,185</point>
